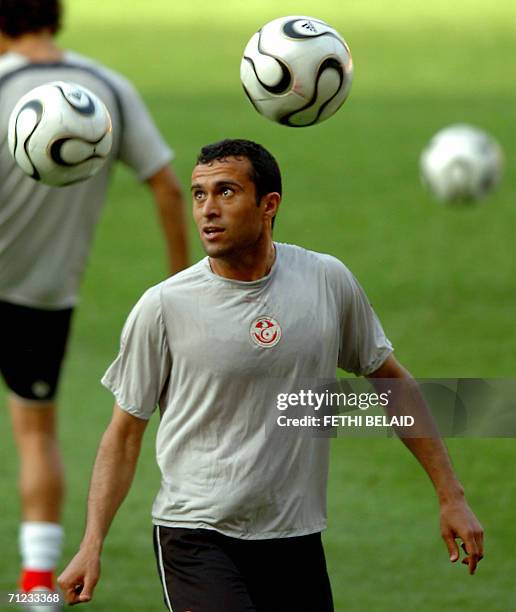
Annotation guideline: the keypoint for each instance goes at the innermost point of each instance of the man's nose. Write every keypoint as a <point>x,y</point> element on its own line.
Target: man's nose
<point>211,207</point>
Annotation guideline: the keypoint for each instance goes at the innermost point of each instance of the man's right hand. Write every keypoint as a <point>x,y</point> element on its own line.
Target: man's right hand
<point>79,579</point>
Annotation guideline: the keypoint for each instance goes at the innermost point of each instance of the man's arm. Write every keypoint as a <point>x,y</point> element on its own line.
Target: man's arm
<point>457,519</point>
<point>113,474</point>
<point>169,201</point>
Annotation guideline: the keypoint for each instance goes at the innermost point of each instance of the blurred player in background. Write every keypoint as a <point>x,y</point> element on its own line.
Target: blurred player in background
<point>240,511</point>
<point>45,238</point>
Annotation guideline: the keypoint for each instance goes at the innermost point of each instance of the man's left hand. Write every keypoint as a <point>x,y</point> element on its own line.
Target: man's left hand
<point>458,521</point>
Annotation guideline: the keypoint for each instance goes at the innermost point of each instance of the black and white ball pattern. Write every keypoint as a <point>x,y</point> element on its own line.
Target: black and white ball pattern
<point>60,133</point>
<point>297,71</point>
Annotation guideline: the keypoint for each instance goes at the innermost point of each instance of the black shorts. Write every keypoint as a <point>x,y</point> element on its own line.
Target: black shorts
<point>204,571</point>
<point>32,347</point>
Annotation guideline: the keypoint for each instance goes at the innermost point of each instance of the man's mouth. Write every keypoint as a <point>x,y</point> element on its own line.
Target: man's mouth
<point>210,231</point>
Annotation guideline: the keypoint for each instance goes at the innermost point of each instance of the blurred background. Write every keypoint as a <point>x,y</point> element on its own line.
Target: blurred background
<point>442,279</point>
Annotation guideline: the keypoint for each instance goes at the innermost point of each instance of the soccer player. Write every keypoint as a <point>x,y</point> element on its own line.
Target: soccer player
<point>45,237</point>
<point>239,515</point>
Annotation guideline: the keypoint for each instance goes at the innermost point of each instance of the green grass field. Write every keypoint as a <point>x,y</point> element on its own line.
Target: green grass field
<point>443,280</point>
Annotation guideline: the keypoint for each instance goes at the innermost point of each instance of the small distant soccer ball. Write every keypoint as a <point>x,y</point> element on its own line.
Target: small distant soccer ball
<point>461,163</point>
<point>297,71</point>
<point>60,133</point>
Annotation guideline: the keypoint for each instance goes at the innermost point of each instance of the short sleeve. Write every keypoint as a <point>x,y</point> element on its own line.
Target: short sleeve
<point>139,375</point>
<point>363,345</point>
<point>142,147</point>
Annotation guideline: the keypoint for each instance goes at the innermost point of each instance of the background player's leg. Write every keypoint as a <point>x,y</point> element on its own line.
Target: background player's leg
<point>41,485</point>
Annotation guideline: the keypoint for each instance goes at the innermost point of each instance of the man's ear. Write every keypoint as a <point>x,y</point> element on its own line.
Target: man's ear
<point>271,203</point>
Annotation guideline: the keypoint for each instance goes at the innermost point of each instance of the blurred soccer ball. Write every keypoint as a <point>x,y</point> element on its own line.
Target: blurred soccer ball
<point>60,133</point>
<point>297,71</point>
<point>461,163</point>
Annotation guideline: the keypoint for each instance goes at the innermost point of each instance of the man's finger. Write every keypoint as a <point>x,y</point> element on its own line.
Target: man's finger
<point>71,595</point>
<point>86,592</point>
<point>480,544</point>
<point>68,589</point>
<point>471,549</point>
<point>471,562</point>
<point>452,547</point>
<point>77,590</point>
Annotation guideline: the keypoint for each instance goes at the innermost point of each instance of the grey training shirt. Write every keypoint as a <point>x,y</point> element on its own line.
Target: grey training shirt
<point>46,232</point>
<point>213,353</point>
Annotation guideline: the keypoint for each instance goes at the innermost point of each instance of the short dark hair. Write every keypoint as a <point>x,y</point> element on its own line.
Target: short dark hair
<point>265,174</point>
<point>19,17</point>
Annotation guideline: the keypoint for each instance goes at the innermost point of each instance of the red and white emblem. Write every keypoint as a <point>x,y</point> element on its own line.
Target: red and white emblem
<point>265,332</point>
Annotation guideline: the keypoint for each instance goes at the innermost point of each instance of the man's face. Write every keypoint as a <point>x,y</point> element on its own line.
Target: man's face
<point>229,220</point>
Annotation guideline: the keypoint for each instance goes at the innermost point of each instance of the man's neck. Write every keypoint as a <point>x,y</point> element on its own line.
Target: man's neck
<point>35,46</point>
<point>247,267</point>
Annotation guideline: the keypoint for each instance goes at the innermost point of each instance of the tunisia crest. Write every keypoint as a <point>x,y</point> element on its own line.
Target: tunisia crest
<point>265,332</point>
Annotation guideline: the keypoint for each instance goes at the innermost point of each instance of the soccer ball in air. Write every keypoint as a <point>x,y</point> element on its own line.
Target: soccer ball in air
<point>461,163</point>
<point>60,133</point>
<point>297,71</point>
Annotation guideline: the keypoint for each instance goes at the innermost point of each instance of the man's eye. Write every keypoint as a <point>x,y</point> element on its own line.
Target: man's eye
<point>226,192</point>
<point>198,195</point>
